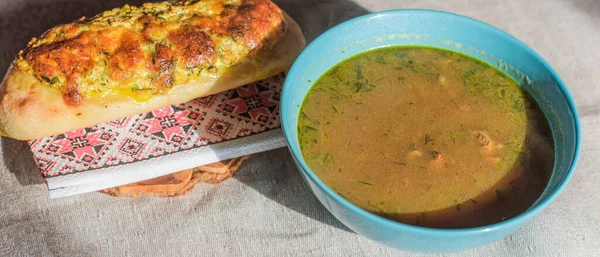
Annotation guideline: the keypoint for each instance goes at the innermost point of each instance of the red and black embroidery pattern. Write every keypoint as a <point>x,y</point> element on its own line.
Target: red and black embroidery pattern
<point>237,113</point>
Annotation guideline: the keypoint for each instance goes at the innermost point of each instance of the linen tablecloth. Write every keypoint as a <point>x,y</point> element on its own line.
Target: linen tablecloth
<point>265,209</point>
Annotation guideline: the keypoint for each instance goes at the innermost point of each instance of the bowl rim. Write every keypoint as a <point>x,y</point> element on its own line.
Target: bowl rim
<point>511,222</point>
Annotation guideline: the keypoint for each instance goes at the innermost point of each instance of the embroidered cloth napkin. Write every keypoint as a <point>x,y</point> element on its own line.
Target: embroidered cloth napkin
<point>230,124</point>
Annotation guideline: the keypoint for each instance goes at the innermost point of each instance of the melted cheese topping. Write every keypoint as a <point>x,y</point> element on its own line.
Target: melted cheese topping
<point>144,51</point>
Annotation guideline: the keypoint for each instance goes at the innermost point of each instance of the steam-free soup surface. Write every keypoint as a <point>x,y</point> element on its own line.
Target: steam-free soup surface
<point>426,137</point>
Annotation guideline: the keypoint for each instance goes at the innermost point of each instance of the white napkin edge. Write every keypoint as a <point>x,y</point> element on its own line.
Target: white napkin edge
<point>94,180</point>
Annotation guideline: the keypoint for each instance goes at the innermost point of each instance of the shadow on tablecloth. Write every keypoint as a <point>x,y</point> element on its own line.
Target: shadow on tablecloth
<point>274,175</point>
<point>316,16</point>
<point>19,161</point>
<point>590,6</point>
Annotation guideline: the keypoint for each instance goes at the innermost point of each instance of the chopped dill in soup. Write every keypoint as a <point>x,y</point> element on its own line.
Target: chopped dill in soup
<point>426,137</point>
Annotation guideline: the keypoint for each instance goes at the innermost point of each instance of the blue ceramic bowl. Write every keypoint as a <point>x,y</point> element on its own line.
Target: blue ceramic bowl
<point>448,31</point>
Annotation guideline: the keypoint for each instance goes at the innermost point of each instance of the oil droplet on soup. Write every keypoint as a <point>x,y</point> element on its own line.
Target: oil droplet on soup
<point>426,137</point>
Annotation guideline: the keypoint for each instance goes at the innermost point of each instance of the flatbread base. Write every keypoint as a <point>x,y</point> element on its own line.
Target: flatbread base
<point>30,109</point>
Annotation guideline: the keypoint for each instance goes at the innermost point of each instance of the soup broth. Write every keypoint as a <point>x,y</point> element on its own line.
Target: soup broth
<point>426,137</point>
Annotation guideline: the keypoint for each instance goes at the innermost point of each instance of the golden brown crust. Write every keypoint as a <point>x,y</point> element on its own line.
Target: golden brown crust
<point>30,109</point>
<point>193,47</point>
<point>117,50</point>
<point>254,21</point>
<point>163,64</point>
